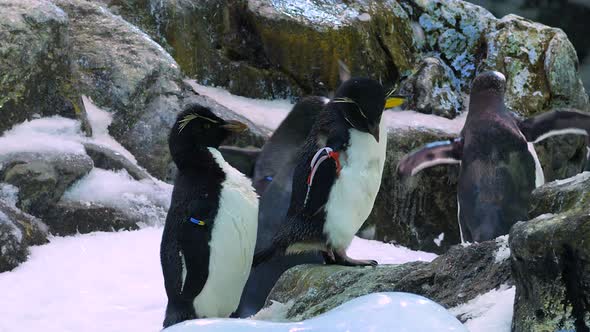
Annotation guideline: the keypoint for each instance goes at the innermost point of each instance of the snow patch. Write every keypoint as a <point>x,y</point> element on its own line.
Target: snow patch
<point>364,17</point>
<point>503,252</point>
<point>411,119</point>
<point>488,312</point>
<point>17,232</point>
<point>386,253</point>
<point>276,312</point>
<point>100,120</point>
<point>46,135</point>
<point>439,239</point>
<point>147,198</point>
<point>8,194</point>
<point>269,113</point>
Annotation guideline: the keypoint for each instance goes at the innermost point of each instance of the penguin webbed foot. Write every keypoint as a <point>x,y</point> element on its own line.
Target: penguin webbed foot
<point>343,259</point>
<point>329,257</point>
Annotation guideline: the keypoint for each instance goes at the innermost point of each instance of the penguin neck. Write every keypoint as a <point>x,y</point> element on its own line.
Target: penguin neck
<point>487,102</point>
<point>194,157</point>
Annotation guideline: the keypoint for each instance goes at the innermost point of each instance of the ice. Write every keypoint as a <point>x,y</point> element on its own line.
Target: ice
<point>268,113</point>
<point>385,253</point>
<point>373,312</point>
<point>489,312</point>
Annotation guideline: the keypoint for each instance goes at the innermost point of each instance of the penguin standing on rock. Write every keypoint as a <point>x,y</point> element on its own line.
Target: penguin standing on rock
<point>499,165</point>
<point>210,232</point>
<point>337,176</point>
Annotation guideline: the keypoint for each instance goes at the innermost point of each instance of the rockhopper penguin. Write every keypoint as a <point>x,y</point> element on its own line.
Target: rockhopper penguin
<point>210,232</point>
<point>337,176</point>
<point>499,165</point>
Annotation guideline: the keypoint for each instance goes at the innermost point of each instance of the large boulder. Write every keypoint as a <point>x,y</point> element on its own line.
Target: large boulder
<point>35,63</point>
<point>420,212</point>
<point>18,230</point>
<point>279,49</point>
<point>550,255</point>
<point>42,178</point>
<point>453,278</point>
<point>539,62</point>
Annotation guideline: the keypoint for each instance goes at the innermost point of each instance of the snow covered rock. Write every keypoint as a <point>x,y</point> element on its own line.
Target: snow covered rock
<point>456,277</point>
<point>42,178</point>
<point>550,268</point>
<point>35,63</point>
<point>18,230</point>
<point>106,158</point>
<point>373,312</point>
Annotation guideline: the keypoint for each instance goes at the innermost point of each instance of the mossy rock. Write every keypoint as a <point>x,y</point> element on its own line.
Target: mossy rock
<point>35,63</point>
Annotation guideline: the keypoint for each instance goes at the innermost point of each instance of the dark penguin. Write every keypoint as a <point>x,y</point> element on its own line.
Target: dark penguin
<point>337,176</point>
<point>210,233</point>
<point>272,179</point>
<point>499,166</point>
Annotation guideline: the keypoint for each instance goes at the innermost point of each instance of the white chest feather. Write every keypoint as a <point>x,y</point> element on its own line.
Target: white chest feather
<point>233,238</point>
<point>353,194</point>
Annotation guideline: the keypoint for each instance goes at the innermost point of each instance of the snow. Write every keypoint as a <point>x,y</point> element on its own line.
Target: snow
<point>147,198</point>
<point>8,194</point>
<point>269,113</point>
<point>111,282</point>
<point>489,312</point>
<point>503,252</point>
<point>439,239</point>
<point>46,135</point>
<point>372,312</point>
<point>386,253</point>
<point>412,119</point>
<point>92,282</point>
<point>100,120</point>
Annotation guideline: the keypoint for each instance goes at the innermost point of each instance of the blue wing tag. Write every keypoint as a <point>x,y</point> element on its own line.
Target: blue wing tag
<point>197,221</point>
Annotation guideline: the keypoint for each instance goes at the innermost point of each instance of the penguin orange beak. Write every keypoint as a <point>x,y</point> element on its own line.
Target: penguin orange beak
<point>234,126</point>
<point>374,131</point>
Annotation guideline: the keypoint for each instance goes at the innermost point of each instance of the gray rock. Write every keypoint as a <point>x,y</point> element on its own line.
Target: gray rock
<point>551,273</point>
<point>451,279</point>
<point>433,89</point>
<point>108,159</point>
<point>35,63</point>
<point>18,231</point>
<point>68,218</point>
<point>42,178</point>
<point>416,212</point>
<point>549,259</point>
<point>278,49</point>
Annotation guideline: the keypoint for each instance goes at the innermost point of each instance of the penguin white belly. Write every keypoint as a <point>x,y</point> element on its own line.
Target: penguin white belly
<point>232,243</point>
<point>353,193</point>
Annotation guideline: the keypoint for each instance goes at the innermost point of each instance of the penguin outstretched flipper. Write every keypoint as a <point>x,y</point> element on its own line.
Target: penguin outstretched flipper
<point>554,123</point>
<point>435,153</point>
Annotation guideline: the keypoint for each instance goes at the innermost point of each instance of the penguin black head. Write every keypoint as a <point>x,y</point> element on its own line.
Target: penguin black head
<point>489,82</point>
<point>362,101</point>
<point>197,127</point>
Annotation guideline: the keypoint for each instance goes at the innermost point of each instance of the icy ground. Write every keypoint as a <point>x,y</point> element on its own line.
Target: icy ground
<point>112,281</point>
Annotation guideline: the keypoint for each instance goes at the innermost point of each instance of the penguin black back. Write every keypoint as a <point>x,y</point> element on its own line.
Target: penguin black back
<point>196,202</point>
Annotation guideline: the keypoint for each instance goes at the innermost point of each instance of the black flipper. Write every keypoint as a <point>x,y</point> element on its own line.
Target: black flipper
<point>243,159</point>
<point>435,153</point>
<point>553,123</point>
<point>194,246</point>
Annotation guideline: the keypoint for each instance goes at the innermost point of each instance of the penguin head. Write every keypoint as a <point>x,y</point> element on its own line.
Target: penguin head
<point>198,126</point>
<point>361,101</point>
<point>489,82</point>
